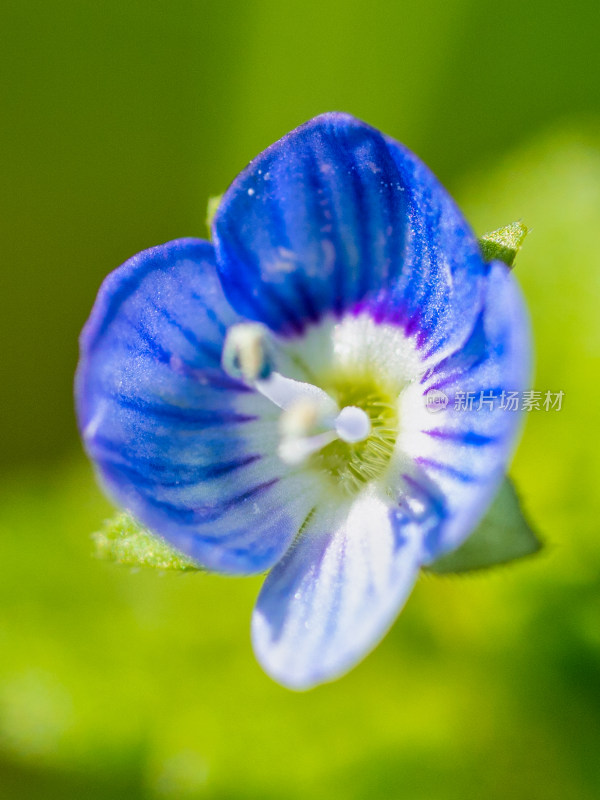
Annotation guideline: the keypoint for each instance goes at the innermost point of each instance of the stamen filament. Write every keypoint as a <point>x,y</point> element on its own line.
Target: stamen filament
<point>284,392</point>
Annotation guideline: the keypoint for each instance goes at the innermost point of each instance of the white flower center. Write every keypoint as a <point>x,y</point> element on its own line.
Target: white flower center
<point>340,409</point>
<point>310,418</point>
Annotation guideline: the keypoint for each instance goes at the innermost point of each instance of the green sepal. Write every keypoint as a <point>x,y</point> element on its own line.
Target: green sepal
<point>503,535</point>
<point>125,542</point>
<point>503,244</point>
<point>211,210</point>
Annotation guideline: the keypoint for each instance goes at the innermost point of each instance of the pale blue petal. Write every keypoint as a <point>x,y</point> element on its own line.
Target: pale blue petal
<point>335,593</point>
<point>460,456</point>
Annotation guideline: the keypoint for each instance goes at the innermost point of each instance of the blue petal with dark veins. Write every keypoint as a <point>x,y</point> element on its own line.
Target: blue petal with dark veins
<point>187,449</point>
<point>336,216</point>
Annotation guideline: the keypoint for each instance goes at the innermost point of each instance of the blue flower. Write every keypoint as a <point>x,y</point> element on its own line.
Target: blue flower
<point>260,402</point>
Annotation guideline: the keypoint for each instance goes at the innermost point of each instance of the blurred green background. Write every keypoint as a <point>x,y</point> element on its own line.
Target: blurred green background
<point>119,119</point>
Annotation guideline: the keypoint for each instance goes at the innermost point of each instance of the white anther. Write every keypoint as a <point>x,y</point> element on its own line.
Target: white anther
<point>301,418</point>
<point>245,352</point>
<point>295,450</point>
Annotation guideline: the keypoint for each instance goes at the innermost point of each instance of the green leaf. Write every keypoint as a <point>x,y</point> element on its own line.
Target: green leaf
<point>503,244</point>
<point>503,535</point>
<point>124,541</point>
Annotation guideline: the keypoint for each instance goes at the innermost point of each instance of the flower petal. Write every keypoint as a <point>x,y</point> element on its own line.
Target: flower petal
<point>335,214</point>
<point>187,449</point>
<point>460,454</point>
<point>335,593</point>
<point>443,277</point>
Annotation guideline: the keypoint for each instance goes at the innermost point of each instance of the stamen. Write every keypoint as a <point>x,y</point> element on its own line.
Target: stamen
<point>295,450</point>
<point>310,418</point>
<point>306,427</point>
<point>300,418</point>
<point>246,352</point>
<point>249,353</point>
<point>284,392</point>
